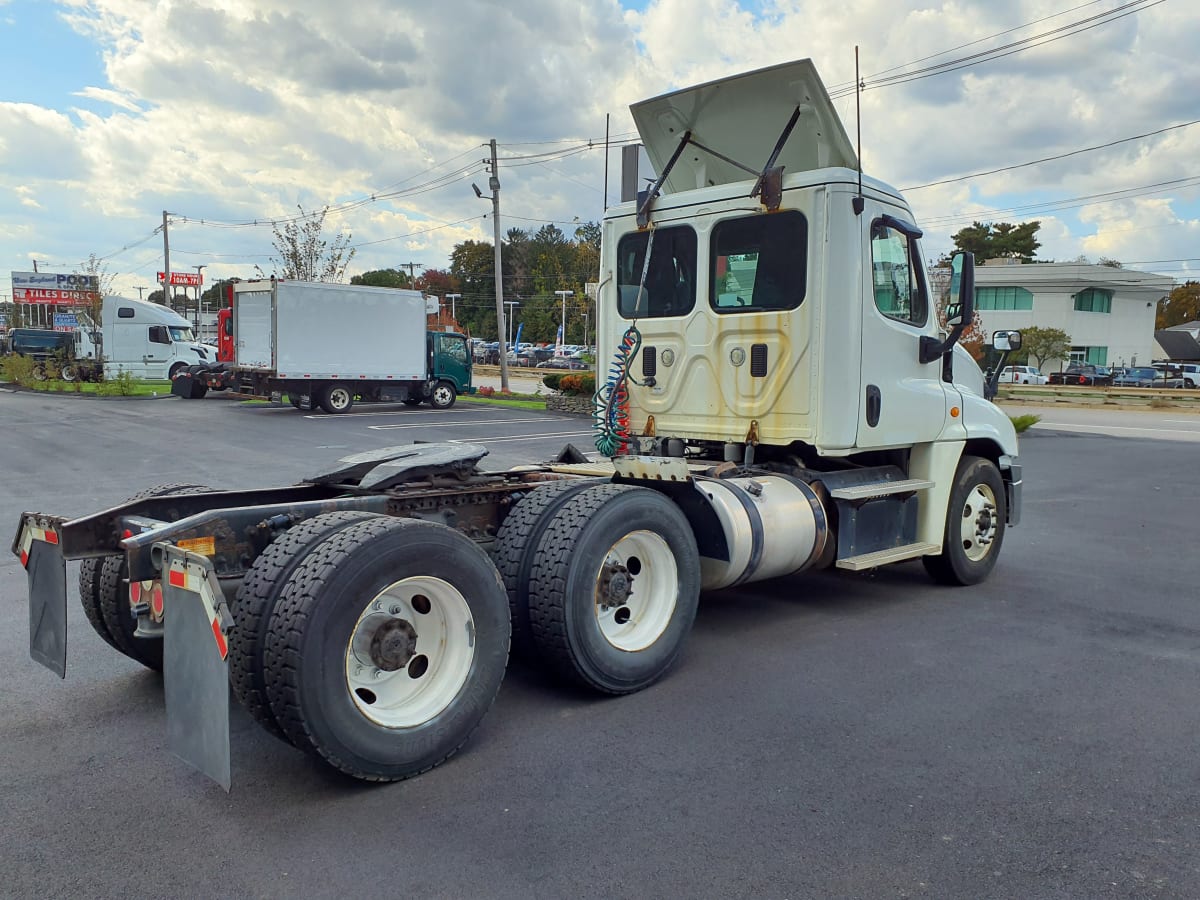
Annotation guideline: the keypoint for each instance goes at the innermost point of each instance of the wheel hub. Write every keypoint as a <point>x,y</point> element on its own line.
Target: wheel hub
<point>393,645</point>
<point>616,585</point>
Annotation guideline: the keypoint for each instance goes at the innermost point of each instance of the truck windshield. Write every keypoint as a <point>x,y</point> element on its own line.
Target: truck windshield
<point>182,334</point>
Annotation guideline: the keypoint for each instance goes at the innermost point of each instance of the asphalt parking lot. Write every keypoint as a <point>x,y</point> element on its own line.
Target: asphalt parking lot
<point>827,735</point>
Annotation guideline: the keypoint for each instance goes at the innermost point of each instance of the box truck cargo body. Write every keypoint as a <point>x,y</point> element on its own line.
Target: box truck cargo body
<point>326,345</point>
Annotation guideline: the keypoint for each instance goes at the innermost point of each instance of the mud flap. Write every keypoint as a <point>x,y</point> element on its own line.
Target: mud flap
<point>195,674</point>
<point>40,551</point>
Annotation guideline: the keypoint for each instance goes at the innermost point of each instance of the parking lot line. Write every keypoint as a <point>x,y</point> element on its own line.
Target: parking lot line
<point>473,422</point>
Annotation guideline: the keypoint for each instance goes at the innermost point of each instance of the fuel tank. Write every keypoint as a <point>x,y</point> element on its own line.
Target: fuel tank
<point>771,525</point>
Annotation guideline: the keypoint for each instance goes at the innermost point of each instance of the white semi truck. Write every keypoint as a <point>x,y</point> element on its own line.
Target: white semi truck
<point>780,398</point>
<point>146,340</point>
<point>326,345</point>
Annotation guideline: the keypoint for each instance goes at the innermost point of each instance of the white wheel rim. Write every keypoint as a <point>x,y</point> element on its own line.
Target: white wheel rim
<point>636,591</point>
<point>428,638</point>
<point>979,522</point>
<point>339,398</point>
<point>441,394</point>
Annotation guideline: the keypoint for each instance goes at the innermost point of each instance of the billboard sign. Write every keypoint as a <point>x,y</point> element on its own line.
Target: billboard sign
<point>184,279</point>
<point>54,288</point>
<point>65,322</point>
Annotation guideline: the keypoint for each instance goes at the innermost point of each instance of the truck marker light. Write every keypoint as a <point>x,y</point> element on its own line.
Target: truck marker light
<point>177,578</point>
<point>954,412</point>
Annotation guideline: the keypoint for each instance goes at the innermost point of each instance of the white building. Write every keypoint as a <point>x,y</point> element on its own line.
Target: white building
<point>1108,312</point>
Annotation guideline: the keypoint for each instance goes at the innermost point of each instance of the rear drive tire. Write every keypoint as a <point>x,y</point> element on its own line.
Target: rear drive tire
<point>975,523</point>
<point>89,598</point>
<point>516,547</point>
<point>614,588</point>
<point>443,395</point>
<point>386,647</point>
<point>337,398</point>
<point>68,373</point>
<point>256,598</point>
<point>104,592</point>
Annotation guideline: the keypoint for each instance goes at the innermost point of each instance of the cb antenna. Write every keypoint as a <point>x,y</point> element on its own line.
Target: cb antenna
<point>858,203</point>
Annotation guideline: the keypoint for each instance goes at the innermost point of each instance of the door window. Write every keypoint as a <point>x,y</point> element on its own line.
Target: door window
<point>159,334</point>
<point>454,349</point>
<point>898,284</point>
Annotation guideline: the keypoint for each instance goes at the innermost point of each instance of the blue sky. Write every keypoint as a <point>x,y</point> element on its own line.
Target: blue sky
<point>113,110</point>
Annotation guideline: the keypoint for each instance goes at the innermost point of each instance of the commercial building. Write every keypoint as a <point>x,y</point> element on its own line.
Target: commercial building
<point>1107,312</point>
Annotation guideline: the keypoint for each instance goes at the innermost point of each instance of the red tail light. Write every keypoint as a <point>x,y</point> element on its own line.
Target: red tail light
<point>1082,380</point>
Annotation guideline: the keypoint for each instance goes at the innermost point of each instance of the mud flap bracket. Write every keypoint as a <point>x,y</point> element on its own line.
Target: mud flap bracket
<point>196,624</point>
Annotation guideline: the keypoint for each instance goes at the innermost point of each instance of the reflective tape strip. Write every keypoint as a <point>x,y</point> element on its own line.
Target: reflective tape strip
<point>184,576</point>
<point>33,533</point>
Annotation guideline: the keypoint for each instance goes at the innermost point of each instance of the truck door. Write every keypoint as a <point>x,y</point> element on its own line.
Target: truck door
<point>901,401</point>
<point>451,360</point>
<point>157,352</point>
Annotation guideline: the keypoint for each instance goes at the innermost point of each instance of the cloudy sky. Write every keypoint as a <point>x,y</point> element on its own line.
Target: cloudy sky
<point>228,112</point>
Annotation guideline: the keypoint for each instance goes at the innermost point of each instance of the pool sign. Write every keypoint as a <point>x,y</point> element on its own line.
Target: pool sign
<point>55,288</point>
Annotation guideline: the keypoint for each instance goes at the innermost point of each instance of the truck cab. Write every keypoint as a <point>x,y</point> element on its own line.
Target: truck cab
<point>786,316</point>
<point>145,339</point>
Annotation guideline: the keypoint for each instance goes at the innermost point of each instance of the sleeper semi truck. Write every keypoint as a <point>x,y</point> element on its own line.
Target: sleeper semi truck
<point>779,398</point>
<point>327,345</point>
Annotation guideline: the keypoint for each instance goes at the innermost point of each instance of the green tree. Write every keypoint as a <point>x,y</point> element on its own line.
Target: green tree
<point>1179,306</point>
<point>305,254</point>
<point>1001,240</point>
<point>388,278</point>
<point>1043,345</point>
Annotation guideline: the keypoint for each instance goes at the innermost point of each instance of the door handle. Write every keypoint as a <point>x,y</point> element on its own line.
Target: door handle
<point>874,405</point>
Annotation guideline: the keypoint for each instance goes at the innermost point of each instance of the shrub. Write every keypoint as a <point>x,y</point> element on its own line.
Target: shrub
<point>121,386</point>
<point>552,380</point>
<point>18,370</point>
<point>487,392</point>
<point>1025,422</point>
<point>583,384</point>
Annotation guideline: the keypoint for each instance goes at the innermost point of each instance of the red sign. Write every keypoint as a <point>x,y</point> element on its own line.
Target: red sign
<point>186,279</point>
<point>53,297</point>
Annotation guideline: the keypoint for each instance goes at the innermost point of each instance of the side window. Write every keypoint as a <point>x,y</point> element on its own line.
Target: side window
<point>671,280</point>
<point>759,263</point>
<point>453,348</point>
<point>159,334</point>
<point>898,285</point>
<point>125,312</point>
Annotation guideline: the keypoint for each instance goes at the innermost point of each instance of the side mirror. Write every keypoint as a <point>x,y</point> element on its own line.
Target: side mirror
<point>1006,340</point>
<point>960,307</point>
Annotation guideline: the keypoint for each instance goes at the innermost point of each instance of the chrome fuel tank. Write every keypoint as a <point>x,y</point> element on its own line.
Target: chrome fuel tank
<point>772,525</point>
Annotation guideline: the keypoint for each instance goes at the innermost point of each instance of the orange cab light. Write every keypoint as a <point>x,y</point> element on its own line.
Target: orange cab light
<point>954,412</point>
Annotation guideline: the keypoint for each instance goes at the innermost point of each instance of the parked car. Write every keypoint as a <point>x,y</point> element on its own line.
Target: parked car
<point>533,356</point>
<point>563,362</point>
<point>1022,375</point>
<point>1136,376</point>
<point>1083,375</point>
<point>1188,373</point>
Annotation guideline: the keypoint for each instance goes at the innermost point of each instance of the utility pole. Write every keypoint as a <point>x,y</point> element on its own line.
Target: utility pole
<point>452,298</point>
<point>139,288</point>
<point>562,334</point>
<point>494,184</point>
<point>412,270</point>
<point>199,281</point>
<point>166,263</point>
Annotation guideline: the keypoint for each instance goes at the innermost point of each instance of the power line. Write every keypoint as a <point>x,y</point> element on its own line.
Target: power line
<point>1009,49</point>
<point>1063,203</point>
<point>1136,137</point>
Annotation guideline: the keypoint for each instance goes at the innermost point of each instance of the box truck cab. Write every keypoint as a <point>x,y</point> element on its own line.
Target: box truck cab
<point>142,338</point>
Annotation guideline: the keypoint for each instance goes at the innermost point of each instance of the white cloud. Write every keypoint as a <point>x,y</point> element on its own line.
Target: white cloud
<point>241,109</point>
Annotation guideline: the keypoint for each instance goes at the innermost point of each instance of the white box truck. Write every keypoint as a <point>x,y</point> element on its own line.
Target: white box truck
<point>780,399</point>
<point>326,345</point>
